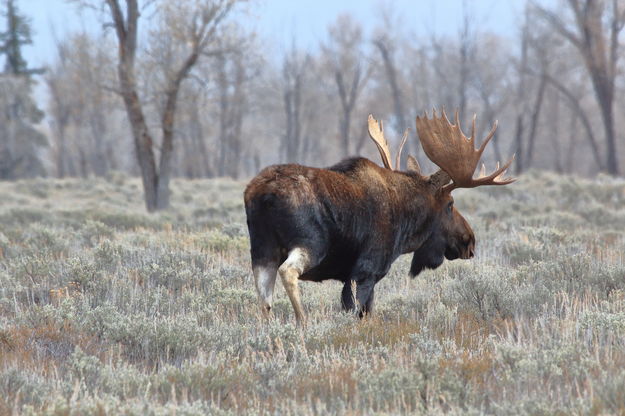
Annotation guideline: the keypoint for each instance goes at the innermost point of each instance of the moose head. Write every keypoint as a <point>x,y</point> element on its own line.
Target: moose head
<point>445,145</point>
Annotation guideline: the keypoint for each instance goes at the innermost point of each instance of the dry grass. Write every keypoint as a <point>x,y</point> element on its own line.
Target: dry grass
<point>107,310</point>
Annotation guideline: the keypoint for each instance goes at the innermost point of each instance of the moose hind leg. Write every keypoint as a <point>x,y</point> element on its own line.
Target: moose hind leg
<point>265,279</point>
<point>294,266</point>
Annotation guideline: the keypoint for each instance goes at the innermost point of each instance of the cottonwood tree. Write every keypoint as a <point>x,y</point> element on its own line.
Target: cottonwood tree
<point>194,25</point>
<point>219,79</point>
<point>83,111</point>
<point>60,114</point>
<point>539,70</point>
<point>459,57</point>
<point>467,42</point>
<point>195,155</point>
<point>294,102</point>
<point>344,58</point>
<point>594,31</point>
<point>489,78</point>
<point>387,41</point>
<point>296,71</point>
<point>231,77</point>
<point>521,102</point>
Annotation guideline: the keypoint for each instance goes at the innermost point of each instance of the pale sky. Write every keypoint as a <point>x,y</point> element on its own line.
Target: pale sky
<point>277,21</point>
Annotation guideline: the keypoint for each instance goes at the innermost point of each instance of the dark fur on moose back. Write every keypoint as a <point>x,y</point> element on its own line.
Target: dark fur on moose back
<point>353,220</point>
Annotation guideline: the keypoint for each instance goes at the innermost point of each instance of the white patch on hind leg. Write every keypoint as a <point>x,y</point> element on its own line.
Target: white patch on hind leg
<point>298,259</point>
<point>290,271</point>
<point>265,278</point>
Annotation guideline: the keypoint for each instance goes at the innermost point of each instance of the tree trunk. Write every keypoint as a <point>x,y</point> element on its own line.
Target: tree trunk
<point>572,143</point>
<point>62,151</point>
<point>126,30</point>
<point>555,131</point>
<point>167,126</point>
<point>167,149</point>
<point>540,93</point>
<point>518,140</point>
<point>143,149</point>
<point>519,130</point>
<point>607,115</point>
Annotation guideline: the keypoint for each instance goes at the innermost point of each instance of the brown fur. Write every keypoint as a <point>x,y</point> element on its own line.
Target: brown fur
<point>353,219</point>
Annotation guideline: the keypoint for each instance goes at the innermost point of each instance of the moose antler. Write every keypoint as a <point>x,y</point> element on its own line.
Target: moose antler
<point>446,145</point>
<point>376,131</point>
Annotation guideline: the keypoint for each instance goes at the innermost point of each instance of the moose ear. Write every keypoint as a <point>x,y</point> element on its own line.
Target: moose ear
<point>413,165</point>
<point>439,179</point>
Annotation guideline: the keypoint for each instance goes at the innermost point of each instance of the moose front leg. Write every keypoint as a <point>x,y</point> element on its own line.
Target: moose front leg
<point>358,296</point>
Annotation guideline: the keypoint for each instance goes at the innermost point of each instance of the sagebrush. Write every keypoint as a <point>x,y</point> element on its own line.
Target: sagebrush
<point>105,309</point>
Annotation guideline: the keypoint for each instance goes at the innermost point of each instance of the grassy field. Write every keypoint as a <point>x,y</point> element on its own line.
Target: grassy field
<point>107,310</point>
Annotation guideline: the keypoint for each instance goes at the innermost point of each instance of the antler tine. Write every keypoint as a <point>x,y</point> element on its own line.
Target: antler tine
<point>483,171</point>
<point>490,135</point>
<point>457,117</point>
<point>445,116</point>
<point>401,148</point>
<point>472,138</point>
<point>376,133</point>
<point>495,178</point>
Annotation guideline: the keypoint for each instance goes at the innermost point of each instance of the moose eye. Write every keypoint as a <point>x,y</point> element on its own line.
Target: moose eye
<point>450,205</point>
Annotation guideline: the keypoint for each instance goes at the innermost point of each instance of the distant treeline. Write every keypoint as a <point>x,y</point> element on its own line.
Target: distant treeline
<point>242,104</point>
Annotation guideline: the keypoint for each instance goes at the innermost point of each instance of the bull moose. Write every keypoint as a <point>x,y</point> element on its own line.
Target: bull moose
<point>350,221</point>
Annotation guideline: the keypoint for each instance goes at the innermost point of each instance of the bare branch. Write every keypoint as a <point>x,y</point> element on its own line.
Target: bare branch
<point>557,23</point>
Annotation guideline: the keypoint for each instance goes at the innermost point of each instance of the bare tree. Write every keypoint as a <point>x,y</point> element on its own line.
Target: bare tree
<point>574,102</point>
<point>232,76</point>
<point>562,75</point>
<point>541,47</point>
<point>344,57</point>
<point>490,80</point>
<point>194,25</point>
<point>60,113</point>
<point>595,34</point>
<point>387,40</point>
<point>195,157</point>
<point>521,103</point>
<point>81,108</point>
<point>533,48</point>
<point>295,68</point>
<point>443,59</point>
<point>466,53</point>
